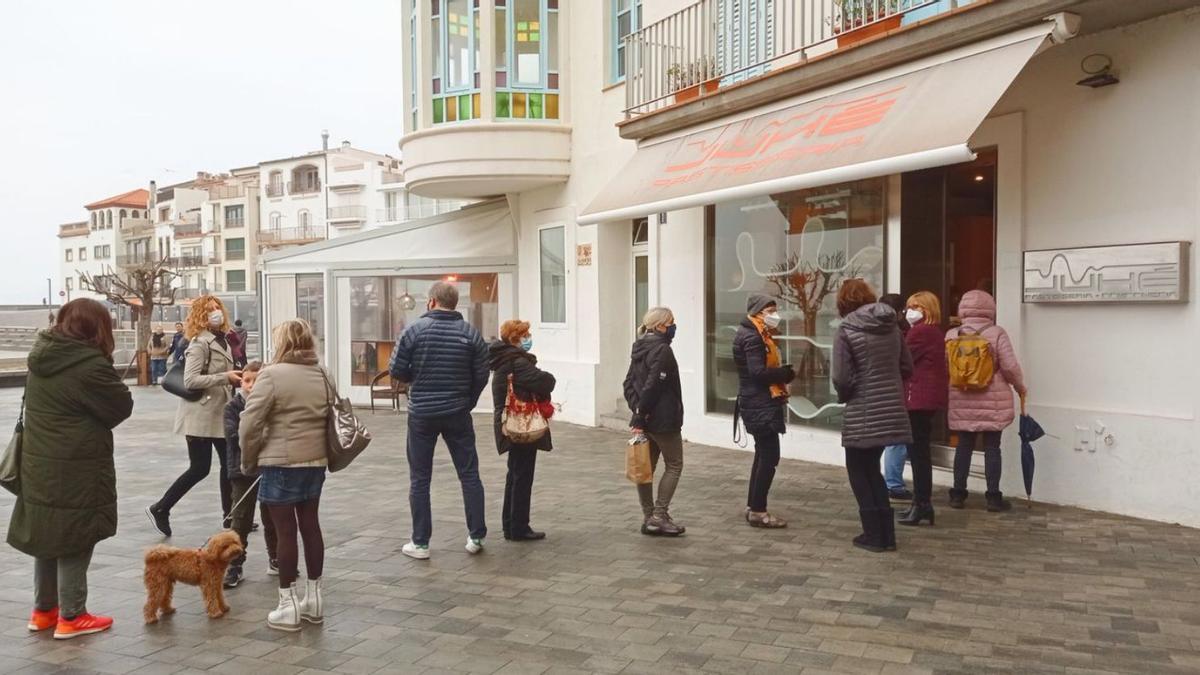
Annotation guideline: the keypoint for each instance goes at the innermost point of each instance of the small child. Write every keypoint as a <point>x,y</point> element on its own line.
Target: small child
<point>245,490</point>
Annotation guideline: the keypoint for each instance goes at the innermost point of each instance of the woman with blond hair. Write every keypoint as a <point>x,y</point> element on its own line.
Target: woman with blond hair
<point>655,398</point>
<point>925,393</point>
<point>208,367</point>
<point>510,357</point>
<point>282,434</point>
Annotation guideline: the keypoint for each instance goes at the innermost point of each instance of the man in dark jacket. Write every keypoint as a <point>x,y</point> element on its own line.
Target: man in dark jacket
<point>179,343</point>
<point>445,362</point>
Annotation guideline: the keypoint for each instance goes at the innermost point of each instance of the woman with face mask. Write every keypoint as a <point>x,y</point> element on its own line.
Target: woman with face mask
<point>925,393</point>
<point>510,357</point>
<point>762,400</point>
<point>655,398</point>
<point>209,367</point>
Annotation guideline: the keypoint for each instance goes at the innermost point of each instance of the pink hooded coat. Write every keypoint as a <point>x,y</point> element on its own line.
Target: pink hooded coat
<point>992,408</point>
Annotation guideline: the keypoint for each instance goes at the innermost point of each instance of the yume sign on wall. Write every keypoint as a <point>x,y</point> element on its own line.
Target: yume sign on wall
<point>1134,273</point>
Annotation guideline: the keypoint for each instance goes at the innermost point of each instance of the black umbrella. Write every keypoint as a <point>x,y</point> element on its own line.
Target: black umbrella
<point>1030,432</point>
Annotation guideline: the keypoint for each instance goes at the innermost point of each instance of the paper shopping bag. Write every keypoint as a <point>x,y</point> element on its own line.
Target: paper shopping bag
<point>637,461</point>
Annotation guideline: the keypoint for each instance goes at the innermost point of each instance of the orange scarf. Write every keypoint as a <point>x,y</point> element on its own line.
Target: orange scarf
<point>774,356</point>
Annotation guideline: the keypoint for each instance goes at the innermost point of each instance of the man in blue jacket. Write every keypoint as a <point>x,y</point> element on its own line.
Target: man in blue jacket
<point>445,361</point>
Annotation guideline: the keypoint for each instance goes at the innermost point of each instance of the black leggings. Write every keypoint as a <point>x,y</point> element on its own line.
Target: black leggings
<point>292,520</point>
<point>762,472</point>
<point>862,467</point>
<point>200,453</point>
<point>919,455</point>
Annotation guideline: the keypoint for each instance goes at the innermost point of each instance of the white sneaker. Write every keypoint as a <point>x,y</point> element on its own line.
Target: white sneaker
<point>312,607</point>
<point>414,551</point>
<point>287,615</point>
<point>474,545</point>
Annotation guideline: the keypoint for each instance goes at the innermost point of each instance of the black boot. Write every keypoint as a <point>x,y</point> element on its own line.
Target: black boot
<point>917,513</point>
<point>160,519</point>
<point>872,537</point>
<point>958,498</point>
<point>996,502</point>
<point>887,525</point>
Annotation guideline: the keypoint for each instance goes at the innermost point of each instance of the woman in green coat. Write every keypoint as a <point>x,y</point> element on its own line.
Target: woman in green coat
<point>68,496</point>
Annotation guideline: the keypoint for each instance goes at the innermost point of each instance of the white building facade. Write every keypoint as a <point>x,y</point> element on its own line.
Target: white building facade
<point>718,152</point>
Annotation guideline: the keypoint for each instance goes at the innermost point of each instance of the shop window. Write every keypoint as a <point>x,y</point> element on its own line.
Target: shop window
<point>310,304</point>
<point>626,19</point>
<point>797,247</point>
<point>552,264</point>
<point>382,307</point>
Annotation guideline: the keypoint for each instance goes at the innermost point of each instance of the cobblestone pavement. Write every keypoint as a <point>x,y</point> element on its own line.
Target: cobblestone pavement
<point>1051,589</point>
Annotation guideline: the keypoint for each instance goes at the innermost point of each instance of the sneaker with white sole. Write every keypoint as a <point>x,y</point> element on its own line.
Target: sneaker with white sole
<point>416,551</point>
<point>474,545</point>
<point>272,568</point>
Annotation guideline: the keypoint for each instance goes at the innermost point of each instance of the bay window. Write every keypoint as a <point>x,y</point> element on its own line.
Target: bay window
<point>527,76</point>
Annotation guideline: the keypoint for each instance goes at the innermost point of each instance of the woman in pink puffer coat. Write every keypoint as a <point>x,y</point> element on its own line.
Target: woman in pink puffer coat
<point>975,414</point>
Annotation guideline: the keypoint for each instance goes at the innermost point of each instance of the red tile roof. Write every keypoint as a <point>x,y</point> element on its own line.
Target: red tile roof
<point>137,199</point>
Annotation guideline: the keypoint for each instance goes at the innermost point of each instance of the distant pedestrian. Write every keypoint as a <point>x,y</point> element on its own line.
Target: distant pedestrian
<point>208,367</point>
<point>68,492</point>
<point>655,398</point>
<point>158,355</point>
<point>445,361</point>
<point>282,435</point>
<point>870,363</point>
<point>894,456</point>
<point>511,358</point>
<point>178,343</point>
<point>925,394</point>
<point>983,414</point>
<point>763,378</point>
<point>237,344</point>
<point>244,486</point>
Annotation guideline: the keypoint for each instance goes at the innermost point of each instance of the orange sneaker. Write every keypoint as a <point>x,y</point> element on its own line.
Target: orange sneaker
<point>41,621</point>
<point>84,624</point>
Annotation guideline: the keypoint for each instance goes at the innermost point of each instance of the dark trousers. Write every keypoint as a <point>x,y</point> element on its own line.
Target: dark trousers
<point>919,455</point>
<point>518,489</point>
<point>866,480</point>
<point>669,446</point>
<point>458,431</point>
<point>295,523</point>
<point>200,454</point>
<point>762,472</point>
<point>245,499</point>
<point>991,459</point>
<point>62,583</point>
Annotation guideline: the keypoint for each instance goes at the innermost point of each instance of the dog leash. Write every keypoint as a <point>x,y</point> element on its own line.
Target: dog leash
<point>227,522</point>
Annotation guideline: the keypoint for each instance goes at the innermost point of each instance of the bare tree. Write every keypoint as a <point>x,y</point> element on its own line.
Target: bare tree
<point>141,288</point>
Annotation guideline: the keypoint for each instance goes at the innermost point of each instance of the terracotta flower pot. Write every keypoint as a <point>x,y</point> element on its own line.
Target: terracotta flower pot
<point>870,30</point>
<point>693,92</point>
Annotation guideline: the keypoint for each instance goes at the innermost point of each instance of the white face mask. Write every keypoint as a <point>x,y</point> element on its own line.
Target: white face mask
<point>772,320</point>
<point>216,317</point>
<point>914,316</point>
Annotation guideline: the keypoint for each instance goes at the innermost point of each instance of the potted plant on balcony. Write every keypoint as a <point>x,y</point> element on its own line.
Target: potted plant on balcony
<point>688,81</point>
<point>856,20</point>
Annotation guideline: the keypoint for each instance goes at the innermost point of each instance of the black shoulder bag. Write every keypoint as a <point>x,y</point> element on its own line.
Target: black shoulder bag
<point>172,382</point>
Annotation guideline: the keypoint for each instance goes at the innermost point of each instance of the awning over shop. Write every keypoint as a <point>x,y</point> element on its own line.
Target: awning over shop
<point>916,116</point>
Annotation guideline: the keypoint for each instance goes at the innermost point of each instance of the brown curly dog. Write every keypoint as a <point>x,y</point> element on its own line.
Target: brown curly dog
<point>203,567</point>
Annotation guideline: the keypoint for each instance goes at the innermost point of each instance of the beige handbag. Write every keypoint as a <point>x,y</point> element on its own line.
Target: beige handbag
<point>522,421</point>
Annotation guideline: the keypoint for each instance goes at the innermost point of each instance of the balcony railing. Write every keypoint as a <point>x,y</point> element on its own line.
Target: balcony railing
<point>73,229</point>
<point>289,235</point>
<point>349,212</point>
<point>389,178</point>
<point>188,230</point>
<point>226,191</point>
<point>235,222</point>
<point>234,255</point>
<point>274,189</point>
<point>137,259</point>
<point>304,187</point>
<point>401,214</point>
<point>136,226</point>
<point>186,262</point>
<point>717,43</point>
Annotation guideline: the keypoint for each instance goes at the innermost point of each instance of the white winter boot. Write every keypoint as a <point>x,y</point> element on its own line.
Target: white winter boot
<point>287,615</point>
<point>312,607</point>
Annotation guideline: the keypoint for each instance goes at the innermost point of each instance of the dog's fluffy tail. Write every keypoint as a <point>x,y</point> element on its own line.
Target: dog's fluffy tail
<point>158,553</point>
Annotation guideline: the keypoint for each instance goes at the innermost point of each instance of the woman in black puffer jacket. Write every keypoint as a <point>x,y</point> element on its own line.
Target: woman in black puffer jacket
<point>870,364</point>
<point>655,398</point>
<point>762,400</point>
<point>509,356</point>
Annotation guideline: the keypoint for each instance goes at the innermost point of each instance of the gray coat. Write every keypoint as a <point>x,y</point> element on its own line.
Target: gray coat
<point>205,418</point>
<point>870,364</point>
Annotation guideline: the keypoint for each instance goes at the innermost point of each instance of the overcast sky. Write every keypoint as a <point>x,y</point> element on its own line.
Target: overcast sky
<point>100,97</point>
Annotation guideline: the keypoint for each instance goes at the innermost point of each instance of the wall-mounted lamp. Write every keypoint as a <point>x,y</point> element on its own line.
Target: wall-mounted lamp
<point>1098,68</point>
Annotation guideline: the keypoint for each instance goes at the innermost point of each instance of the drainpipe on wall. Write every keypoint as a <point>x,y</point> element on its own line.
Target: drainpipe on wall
<point>325,181</point>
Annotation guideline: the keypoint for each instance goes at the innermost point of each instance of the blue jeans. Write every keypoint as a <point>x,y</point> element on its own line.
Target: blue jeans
<point>893,466</point>
<point>158,368</point>
<point>458,431</point>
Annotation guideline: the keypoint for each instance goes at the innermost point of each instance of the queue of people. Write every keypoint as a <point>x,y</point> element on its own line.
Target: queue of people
<point>267,424</point>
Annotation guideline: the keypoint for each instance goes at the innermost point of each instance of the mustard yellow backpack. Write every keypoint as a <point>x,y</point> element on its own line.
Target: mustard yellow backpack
<point>969,358</point>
